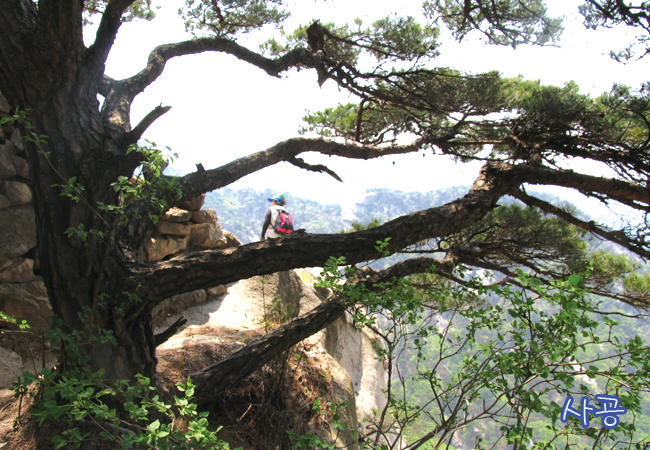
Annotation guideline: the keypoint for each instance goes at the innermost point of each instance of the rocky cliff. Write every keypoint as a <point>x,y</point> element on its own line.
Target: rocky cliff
<point>338,364</point>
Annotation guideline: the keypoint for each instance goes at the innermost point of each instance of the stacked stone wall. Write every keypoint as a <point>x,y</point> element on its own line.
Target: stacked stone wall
<point>22,292</point>
<point>185,228</point>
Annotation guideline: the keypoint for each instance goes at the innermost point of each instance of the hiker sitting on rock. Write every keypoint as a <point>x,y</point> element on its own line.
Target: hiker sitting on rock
<point>278,218</point>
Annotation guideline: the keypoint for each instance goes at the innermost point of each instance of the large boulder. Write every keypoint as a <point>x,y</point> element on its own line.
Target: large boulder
<point>172,228</point>
<point>17,139</point>
<point>17,271</point>
<point>207,235</point>
<point>204,216</point>
<point>22,169</point>
<point>231,240</point>
<point>193,204</point>
<point>158,247</point>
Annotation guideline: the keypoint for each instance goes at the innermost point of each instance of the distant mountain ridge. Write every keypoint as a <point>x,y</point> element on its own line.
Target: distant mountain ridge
<point>241,211</point>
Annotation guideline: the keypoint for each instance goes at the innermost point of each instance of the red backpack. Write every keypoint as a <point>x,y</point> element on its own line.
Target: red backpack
<point>283,222</point>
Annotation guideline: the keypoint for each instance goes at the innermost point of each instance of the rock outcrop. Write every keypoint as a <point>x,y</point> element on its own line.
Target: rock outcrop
<point>184,228</point>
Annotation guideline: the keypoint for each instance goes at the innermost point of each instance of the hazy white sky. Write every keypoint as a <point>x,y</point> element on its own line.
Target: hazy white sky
<point>223,109</point>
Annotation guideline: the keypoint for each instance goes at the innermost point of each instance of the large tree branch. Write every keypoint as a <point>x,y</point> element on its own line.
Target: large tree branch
<point>106,32</point>
<point>199,182</point>
<point>622,191</point>
<point>117,105</point>
<point>197,270</point>
<point>216,378</point>
<point>105,86</point>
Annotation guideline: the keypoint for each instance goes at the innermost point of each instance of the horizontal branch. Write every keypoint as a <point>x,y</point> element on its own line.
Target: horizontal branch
<point>199,182</point>
<point>200,269</point>
<point>621,191</point>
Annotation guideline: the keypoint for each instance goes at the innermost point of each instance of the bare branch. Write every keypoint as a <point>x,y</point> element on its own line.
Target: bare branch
<point>169,332</point>
<point>134,135</point>
<point>299,162</point>
<point>199,182</point>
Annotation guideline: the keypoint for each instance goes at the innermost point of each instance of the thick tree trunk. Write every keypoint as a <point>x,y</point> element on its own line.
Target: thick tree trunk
<point>85,278</point>
<point>46,71</point>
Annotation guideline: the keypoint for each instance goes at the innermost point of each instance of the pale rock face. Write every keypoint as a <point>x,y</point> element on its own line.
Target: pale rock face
<point>204,216</point>
<point>177,215</point>
<point>156,248</point>
<point>230,319</point>
<point>354,350</point>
